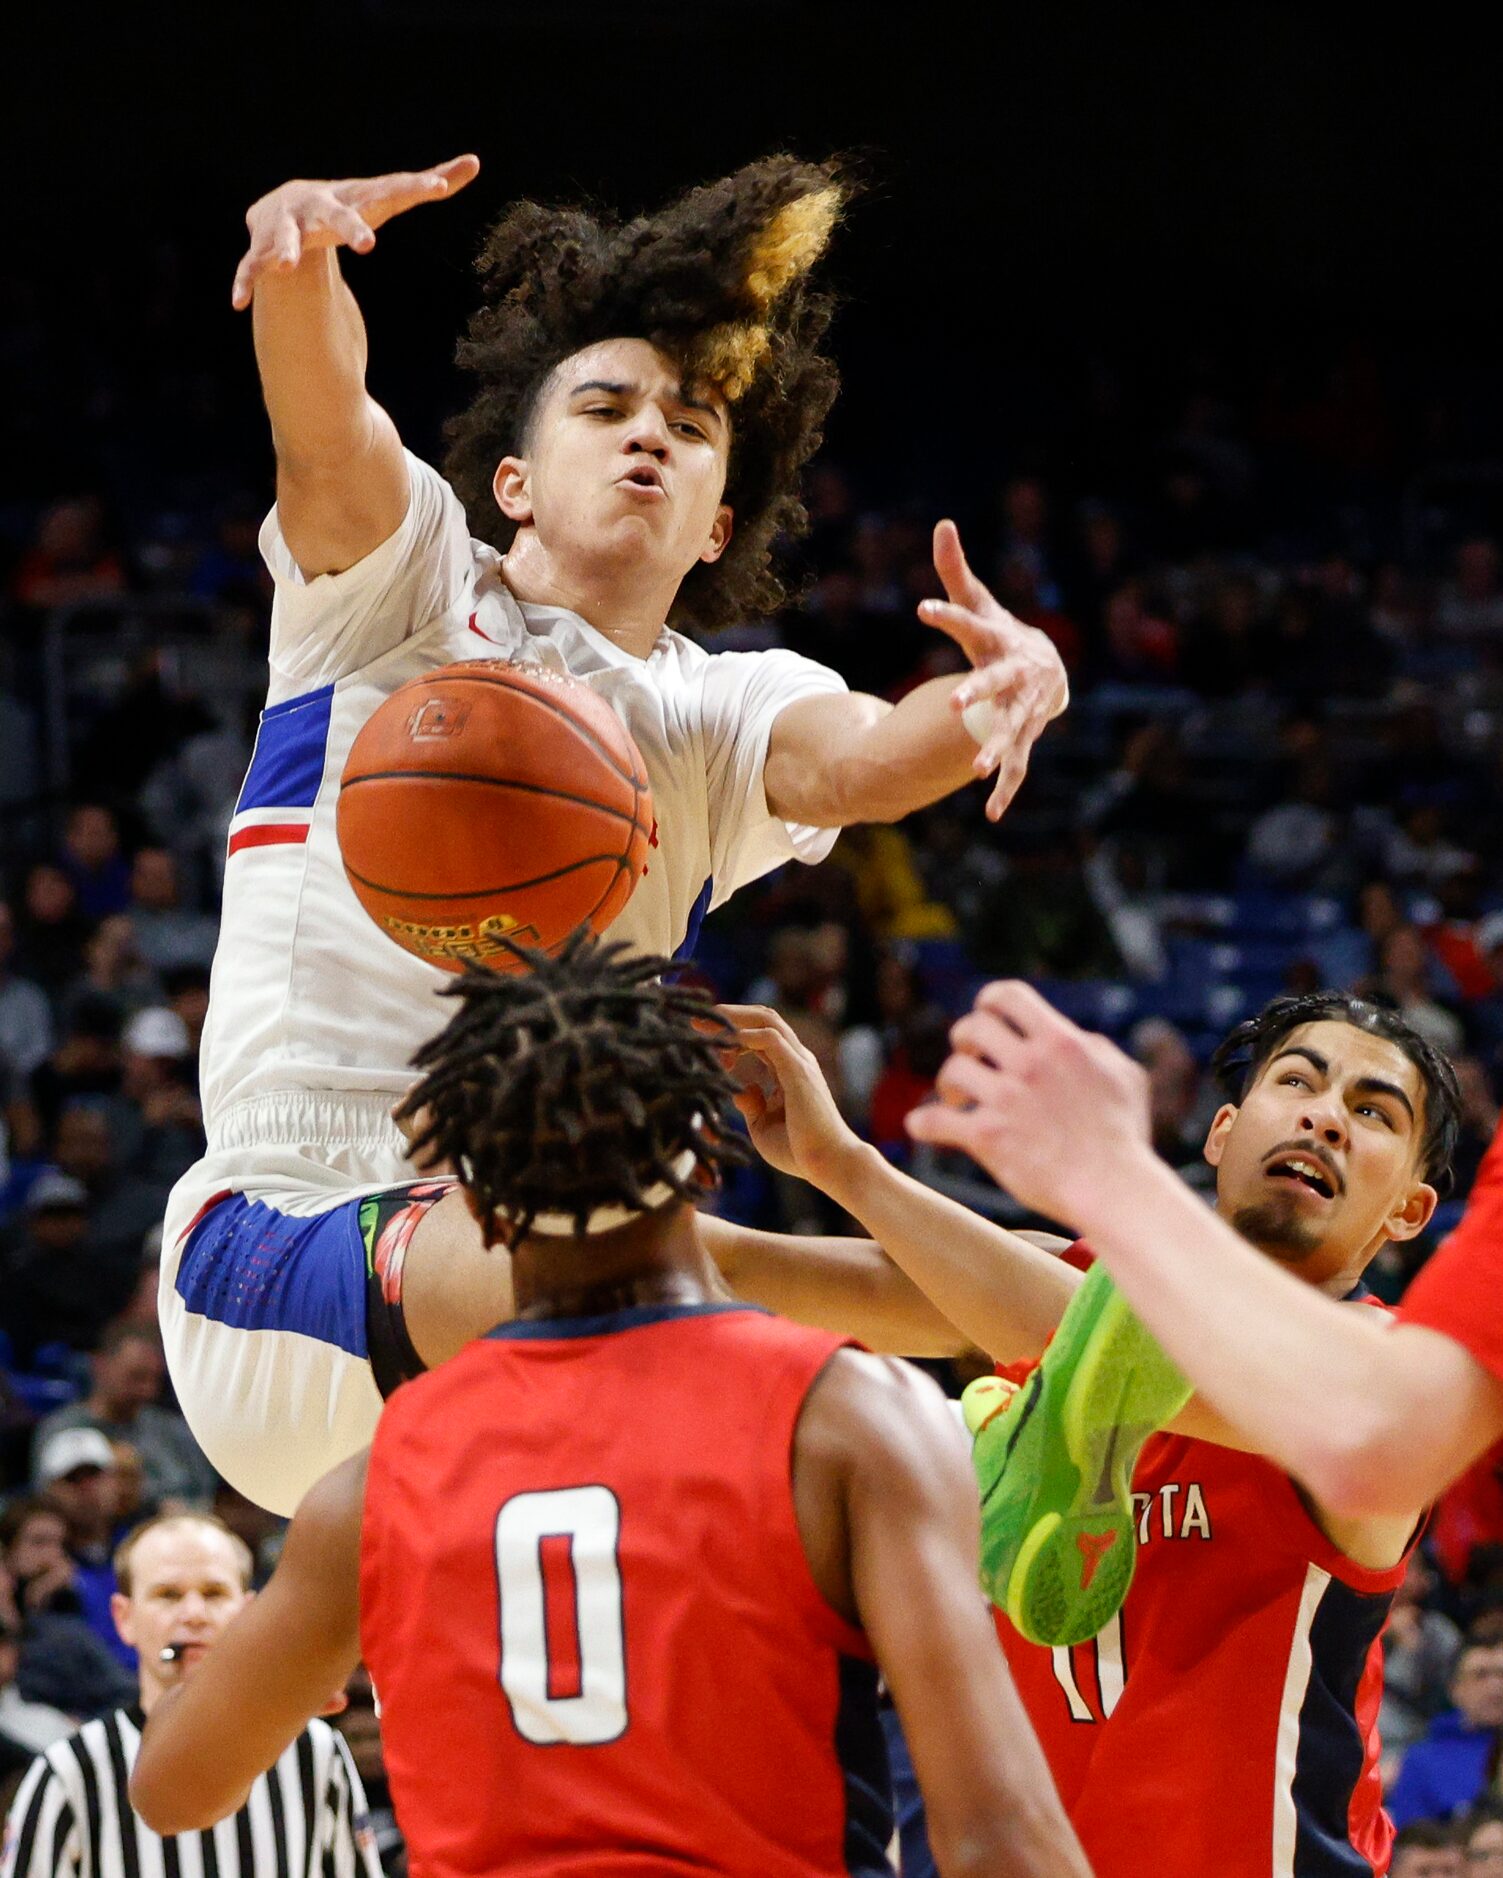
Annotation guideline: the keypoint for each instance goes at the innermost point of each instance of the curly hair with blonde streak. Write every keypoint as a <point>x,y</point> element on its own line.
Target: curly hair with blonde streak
<point>719,282</point>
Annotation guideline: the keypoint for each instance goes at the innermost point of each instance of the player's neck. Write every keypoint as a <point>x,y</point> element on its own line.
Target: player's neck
<point>656,1260</point>
<point>628,613</point>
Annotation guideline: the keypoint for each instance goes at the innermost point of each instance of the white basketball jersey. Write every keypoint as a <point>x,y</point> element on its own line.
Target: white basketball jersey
<point>309,998</point>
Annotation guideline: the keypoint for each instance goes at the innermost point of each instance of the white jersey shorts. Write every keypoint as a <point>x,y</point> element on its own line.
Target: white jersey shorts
<point>263,1297</point>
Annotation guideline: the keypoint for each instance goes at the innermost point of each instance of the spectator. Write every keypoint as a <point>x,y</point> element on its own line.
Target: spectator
<point>1427,1850</point>
<point>1179,1127</point>
<point>64,1663</point>
<point>125,1404</point>
<point>1116,877</point>
<point>1483,1837</point>
<point>48,1279</point>
<point>92,860</point>
<point>25,1016</point>
<point>908,1079</point>
<point>52,929</point>
<point>1140,648</point>
<point>1042,920</point>
<point>1017,589</point>
<point>159,1077</point>
<point>115,972</point>
<point>1480,1115</point>
<point>167,934</point>
<point>864,1049</point>
<point>1471,603</point>
<point>1404,982</point>
<point>85,1064</point>
<point>1301,844</point>
<point>960,865</point>
<point>1448,1767</point>
<point>230,569</point>
<point>189,797</point>
<point>1025,535</point>
<point>1422,851</point>
<point>77,1470</point>
<point>150,719</point>
<point>30,1725</point>
<point>187,989</point>
<point>123,1206</point>
<point>70,560</point>
<point>1420,1648</point>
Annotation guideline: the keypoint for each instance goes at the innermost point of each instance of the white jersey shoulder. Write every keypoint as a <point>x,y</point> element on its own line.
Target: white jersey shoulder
<point>308,997</point>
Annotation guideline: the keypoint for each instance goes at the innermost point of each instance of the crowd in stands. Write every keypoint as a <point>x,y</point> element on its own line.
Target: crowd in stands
<point>1280,599</point>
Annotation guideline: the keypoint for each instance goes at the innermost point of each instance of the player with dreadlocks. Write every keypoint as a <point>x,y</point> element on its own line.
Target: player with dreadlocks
<point>625,1570</point>
<point>648,392</point>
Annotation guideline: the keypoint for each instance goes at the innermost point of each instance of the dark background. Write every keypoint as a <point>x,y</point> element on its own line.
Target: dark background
<point>1186,189</point>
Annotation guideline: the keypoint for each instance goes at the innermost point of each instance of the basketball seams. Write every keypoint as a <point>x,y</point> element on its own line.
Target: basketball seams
<point>533,697</point>
<point>619,862</point>
<point>497,782</point>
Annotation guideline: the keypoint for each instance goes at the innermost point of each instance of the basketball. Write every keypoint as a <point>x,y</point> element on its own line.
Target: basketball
<point>487,801</point>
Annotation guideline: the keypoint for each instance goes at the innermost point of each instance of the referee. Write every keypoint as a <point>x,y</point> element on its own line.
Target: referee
<point>181,1579</point>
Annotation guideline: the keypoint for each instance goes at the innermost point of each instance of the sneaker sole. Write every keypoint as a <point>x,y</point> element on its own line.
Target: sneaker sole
<point>1055,1466</point>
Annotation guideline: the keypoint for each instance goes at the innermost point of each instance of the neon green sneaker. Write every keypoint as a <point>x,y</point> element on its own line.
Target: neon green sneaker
<point>1055,1460</point>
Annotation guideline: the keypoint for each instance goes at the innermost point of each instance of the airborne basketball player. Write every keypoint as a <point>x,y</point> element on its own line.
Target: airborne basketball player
<point>649,394</point>
<point>624,1571</point>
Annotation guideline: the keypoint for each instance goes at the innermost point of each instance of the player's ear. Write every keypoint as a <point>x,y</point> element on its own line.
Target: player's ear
<point>121,1613</point>
<point>512,486</point>
<point>1221,1127</point>
<point>1413,1213</point>
<point>721,530</point>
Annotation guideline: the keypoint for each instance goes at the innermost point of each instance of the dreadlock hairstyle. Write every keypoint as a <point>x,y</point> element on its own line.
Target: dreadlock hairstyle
<point>575,1084</point>
<point>1240,1056</point>
<point>718,282</point>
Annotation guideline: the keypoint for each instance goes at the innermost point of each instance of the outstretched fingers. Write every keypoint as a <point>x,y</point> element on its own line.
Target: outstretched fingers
<point>276,244</point>
<point>954,569</point>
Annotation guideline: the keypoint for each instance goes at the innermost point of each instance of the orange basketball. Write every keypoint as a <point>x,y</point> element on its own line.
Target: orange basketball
<point>487,799</point>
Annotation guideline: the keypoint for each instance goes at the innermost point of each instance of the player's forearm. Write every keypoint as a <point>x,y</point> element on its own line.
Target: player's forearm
<point>311,354</point>
<point>1005,1295</point>
<point>1309,1383</point>
<point>183,1781</point>
<point>848,758</point>
<point>848,1286</point>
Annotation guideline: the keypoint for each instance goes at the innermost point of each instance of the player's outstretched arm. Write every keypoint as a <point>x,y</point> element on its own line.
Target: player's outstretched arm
<point>341,479</point>
<point>840,758</point>
<point>277,1665</point>
<point>913,1537</point>
<point>1375,1418</point>
<point>1000,1292</point>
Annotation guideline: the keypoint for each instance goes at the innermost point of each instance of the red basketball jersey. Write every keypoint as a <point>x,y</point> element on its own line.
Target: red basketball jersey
<point>1460,1291</point>
<point>1226,1721</point>
<point>588,1613</point>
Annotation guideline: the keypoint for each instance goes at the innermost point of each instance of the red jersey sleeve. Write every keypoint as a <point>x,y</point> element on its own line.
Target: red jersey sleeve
<point>1460,1291</point>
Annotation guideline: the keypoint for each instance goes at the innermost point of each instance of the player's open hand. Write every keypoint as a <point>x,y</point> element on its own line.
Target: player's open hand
<point>300,216</point>
<point>789,1110</point>
<point>1019,673</point>
<point>1045,1107</point>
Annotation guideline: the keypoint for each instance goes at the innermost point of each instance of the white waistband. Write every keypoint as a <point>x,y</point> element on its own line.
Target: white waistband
<point>297,1118</point>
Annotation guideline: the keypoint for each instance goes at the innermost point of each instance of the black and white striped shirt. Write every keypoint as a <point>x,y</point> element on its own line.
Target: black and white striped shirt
<point>72,1816</point>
